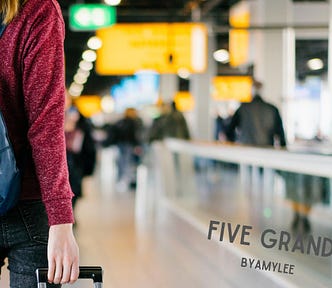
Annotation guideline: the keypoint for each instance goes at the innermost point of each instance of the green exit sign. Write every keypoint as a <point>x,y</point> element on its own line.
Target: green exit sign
<point>89,17</point>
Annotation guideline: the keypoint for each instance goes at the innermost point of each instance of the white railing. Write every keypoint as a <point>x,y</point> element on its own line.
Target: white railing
<point>305,163</point>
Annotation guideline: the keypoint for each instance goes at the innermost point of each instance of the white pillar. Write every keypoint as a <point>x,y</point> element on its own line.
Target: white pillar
<point>168,86</point>
<point>200,87</point>
<point>329,96</point>
<point>272,50</point>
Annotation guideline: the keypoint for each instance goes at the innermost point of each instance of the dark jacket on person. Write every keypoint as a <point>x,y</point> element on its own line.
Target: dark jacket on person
<point>257,123</point>
<point>175,126</point>
<point>81,163</point>
<point>128,130</point>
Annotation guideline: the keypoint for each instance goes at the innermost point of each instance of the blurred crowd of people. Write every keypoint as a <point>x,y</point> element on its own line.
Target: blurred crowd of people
<point>127,133</point>
<point>256,123</point>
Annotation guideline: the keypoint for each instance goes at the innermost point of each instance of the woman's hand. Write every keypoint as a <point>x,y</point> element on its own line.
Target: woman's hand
<point>63,255</point>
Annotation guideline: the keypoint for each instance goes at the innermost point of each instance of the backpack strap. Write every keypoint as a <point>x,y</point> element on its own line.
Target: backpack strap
<point>2,26</point>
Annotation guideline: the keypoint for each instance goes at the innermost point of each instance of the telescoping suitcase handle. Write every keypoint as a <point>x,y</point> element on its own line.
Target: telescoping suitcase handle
<point>86,272</point>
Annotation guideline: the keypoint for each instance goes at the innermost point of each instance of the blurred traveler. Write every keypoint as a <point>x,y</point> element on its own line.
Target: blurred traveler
<point>257,123</point>
<point>222,124</point>
<point>156,130</point>
<point>32,96</point>
<point>108,137</point>
<point>129,132</point>
<point>81,149</point>
<point>176,125</point>
<point>172,124</point>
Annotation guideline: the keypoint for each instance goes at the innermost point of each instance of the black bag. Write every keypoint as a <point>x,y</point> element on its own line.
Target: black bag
<point>10,176</point>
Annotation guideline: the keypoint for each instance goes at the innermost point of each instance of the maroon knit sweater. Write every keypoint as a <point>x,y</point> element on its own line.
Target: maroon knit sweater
<point>32,94</point>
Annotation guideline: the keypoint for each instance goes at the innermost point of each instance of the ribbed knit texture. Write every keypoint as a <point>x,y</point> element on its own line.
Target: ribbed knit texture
<point>32,95</point>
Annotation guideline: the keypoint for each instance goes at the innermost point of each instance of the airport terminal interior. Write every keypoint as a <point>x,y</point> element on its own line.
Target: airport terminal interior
<point>168,192</point>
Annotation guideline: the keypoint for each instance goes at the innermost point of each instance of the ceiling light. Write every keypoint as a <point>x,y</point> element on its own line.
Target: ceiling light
<point>85,65</point>
<point>83,73</point>
<point>221,55</point>
<point>107,104</point>
<point>89,55</point>
<point>112,2</point>
<point>315,64</point>
<point>80,79</point>
<point>75,89</point>
<point>94,43</point>
<point>183,73</point>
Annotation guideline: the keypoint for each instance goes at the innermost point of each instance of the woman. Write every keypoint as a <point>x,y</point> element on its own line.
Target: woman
<point>38,230</point>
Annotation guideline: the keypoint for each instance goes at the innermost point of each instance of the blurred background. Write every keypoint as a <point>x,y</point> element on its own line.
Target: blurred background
<point>154,88</point>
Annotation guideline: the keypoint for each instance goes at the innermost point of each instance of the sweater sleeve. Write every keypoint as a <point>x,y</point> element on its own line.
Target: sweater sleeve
<point>44,96</point>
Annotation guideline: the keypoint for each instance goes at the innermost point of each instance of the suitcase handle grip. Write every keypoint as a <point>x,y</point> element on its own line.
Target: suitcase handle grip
<point>86,272</point>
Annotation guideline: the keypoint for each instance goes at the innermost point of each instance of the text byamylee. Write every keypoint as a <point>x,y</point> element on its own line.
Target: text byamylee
<point>264,265</point>
<point>270,239</point>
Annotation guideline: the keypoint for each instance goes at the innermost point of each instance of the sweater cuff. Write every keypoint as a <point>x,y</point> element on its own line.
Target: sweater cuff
<point>59,211</point>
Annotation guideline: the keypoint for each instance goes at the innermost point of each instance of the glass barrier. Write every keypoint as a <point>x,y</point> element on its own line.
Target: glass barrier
<point>275,221</point>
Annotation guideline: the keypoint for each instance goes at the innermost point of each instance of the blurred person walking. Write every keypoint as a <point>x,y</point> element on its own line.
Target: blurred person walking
<point>156,130</point>
<point>221,124</point>
<point>170,124</point>
<point>80,148</point>
<point>129,133</point>
<point>175,125</point>
<point>257,122</point>
<point>32,95</point>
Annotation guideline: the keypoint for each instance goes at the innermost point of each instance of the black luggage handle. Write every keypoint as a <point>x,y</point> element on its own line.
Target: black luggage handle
<point>86,272</point>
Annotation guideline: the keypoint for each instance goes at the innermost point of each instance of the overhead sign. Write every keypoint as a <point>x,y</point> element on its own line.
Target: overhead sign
<point>184,101</point>
<point>90,17</point>
<point>239,38</point>
<point>162,47</point>
<point>88,105</point>
<point>237,88</point>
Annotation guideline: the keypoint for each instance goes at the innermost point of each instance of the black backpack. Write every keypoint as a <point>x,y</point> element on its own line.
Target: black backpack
<point>10,176</point>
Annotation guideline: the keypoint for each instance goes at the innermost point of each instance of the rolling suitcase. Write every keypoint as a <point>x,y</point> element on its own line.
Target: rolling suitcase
<point>94,272</point>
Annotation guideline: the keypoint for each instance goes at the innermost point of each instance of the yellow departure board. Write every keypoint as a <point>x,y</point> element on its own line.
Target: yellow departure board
<point>184,101</point>
<point>162,47</point>
<point>236,88</point>
<point>88,105</point>
<point>239,38</point>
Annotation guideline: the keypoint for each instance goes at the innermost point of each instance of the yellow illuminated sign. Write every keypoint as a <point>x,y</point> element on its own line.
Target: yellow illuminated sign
<point>238,47</point>
<point>88,105</point>
<point>184,101</point>
<point>239,38</point>
<point>163,47</point>
<point>236,88</point>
